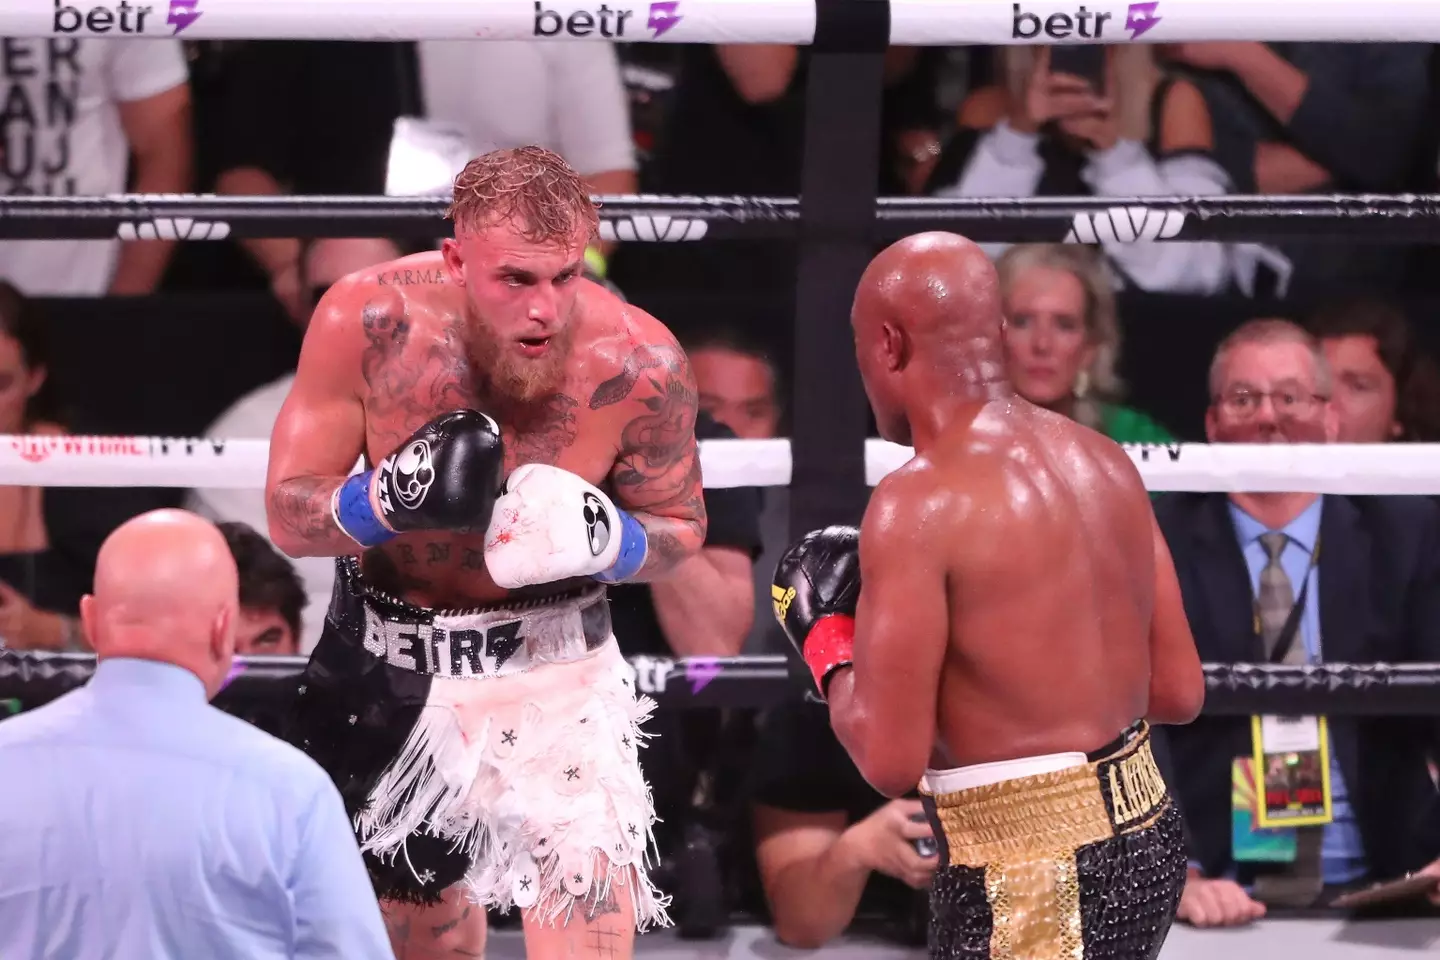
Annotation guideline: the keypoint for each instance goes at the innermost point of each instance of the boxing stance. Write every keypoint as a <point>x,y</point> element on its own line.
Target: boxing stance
<point>529,438</point>
<point>999,631</point>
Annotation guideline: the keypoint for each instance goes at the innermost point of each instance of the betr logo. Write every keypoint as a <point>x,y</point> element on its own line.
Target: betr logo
<point>580,23</point>
<point>1058,26</point>
<point>100,19</point>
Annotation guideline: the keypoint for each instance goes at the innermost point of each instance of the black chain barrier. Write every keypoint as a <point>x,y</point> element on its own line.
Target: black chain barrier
<point>1233,689</point>
<point>1403,218</point>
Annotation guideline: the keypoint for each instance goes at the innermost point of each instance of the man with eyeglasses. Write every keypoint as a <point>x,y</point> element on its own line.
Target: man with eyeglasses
<point>1294,578</point>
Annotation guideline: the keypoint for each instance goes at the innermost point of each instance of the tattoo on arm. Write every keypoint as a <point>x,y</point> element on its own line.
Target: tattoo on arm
<point>657,474</point>
<point>302,507</point>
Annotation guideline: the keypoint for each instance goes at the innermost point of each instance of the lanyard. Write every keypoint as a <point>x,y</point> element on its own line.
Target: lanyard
<point>1291,627</point>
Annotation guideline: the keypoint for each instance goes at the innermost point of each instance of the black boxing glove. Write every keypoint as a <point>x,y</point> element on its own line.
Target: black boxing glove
<point>815,591</point>
<point>445,477</point>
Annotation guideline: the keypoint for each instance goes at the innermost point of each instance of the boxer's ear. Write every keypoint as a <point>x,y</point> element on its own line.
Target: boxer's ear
<point>896,346</point>
<point>454,259</point>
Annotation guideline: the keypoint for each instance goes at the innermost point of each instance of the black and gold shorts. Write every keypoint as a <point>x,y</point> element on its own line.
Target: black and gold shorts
<point>1085,863</point>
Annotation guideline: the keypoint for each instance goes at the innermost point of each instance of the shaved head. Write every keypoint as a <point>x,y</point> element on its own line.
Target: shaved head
<point>166,589</point>
<point>927,319</point>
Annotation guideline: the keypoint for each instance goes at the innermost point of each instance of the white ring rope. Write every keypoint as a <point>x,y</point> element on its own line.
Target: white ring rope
<point>912,22</point>
<point>1380,468</point>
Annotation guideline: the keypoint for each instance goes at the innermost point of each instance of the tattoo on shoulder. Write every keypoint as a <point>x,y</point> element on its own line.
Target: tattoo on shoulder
<point>637,364</point>
<point>405,278</point>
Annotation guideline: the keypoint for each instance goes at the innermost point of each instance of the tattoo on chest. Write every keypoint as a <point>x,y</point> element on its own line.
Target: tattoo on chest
<point>542,436</point>
<point>409,383</point>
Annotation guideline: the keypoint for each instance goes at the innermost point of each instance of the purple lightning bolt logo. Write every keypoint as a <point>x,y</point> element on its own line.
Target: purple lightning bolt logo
<point>663,16</point>
<point>1141,17</point>
<point>700,671</point>
<point>182,14</point>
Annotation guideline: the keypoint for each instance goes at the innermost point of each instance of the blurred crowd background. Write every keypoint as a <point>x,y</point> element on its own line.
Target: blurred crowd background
<point>763,814</point>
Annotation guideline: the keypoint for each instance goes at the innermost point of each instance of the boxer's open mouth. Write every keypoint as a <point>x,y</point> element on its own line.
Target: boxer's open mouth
<point>533,346</point>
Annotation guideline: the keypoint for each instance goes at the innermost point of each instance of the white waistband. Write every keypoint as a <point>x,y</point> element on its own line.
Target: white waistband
<point>984,774</point>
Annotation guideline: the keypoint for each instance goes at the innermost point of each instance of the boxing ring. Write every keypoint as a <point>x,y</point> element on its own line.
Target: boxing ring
<point>836,222</point>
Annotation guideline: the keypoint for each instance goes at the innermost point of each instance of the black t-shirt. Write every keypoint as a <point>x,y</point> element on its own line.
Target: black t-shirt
<point>316,115</point>
<point>801,767</point>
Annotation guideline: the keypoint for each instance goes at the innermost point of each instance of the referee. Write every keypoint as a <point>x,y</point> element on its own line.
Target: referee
<point>138,821</point>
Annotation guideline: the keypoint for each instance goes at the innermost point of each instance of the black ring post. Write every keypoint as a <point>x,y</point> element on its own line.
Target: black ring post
<point>838,187</point>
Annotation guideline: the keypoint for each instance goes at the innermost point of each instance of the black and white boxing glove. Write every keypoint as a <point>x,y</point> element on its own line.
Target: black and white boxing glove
<point>815,592</point>
<point>447,476</point>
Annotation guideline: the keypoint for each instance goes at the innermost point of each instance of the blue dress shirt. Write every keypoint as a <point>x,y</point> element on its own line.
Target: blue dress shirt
<point>137,821</point>
<point>1342,852</point>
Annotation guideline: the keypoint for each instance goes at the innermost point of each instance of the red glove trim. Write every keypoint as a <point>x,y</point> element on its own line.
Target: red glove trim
<point>830,645</point>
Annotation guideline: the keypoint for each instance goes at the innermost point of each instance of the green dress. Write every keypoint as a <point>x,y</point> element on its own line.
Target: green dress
<point>1127,425</point>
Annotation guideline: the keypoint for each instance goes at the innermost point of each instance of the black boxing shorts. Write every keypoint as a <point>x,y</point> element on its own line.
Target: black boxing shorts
<point>1072,856</point>
<point>497,747</point>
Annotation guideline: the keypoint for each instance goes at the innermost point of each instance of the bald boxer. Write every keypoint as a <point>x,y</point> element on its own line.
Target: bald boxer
<point>527,439</point>
<point>999,631</point>
<point>140,821</point>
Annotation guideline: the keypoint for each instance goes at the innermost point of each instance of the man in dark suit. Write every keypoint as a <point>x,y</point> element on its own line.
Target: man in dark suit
<point>1257,588</point>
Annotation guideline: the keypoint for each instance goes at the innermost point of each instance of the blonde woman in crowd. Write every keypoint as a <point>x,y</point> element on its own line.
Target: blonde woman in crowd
<point>1062,338</point>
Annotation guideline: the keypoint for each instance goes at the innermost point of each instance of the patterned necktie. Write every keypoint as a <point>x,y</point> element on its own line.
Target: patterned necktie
<point>1276,599</point>
<point>1300,883</point>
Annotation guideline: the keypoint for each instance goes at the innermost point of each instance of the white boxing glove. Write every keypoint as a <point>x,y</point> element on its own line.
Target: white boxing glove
<point>551,525</point>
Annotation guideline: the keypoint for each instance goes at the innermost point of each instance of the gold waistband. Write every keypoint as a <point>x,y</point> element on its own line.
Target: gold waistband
<point>1063,810</point>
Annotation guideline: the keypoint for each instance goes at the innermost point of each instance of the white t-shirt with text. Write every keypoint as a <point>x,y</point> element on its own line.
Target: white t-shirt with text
<point>566,97</point>
<point>60,135</point>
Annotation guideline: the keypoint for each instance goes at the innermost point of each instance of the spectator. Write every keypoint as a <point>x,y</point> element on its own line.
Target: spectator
<point>78,114</point>
<point>1039,132</point>
<point>346,111</point>
<point>306,117</point>
<point>827,844</point>
<point>1295,118</point>
<point>253,416</point>
<point>1258,588</point>
<point>44,564</point>
<point>735,126</point>
<point>271,595</point>
<point>565,97</point>
<point>739,386</point>
<point>1062,339</point>
<point>139,820</point>
<point>737,381</point>
<point>1386,384</point>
